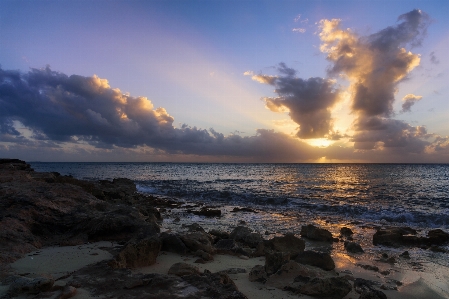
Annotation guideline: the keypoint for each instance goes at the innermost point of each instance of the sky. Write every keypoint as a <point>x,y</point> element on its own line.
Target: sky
<point>225,81</point>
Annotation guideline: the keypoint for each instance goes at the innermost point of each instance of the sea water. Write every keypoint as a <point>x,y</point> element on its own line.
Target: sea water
<point>398,194</point>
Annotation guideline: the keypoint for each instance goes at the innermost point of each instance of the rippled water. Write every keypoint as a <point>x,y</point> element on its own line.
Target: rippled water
<point>416,194</point>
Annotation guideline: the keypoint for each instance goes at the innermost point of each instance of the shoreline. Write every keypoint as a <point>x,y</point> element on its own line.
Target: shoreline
<point>175,219</point>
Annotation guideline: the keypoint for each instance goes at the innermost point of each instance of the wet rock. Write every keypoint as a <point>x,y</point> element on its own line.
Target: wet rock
<point>208,212</point>
<point>315,233</point>
<point>194,227</point>
<point>288,244</point>
<point>258,273</point>
<point>204,255</point>
<point>405,255</point>
<point>366,289</point>
<point>198,241</point>
<point>226,245</point>
<point>182,269</point>
<point>331,287</point>
<point>24,285</point>
<point>243,210</point>
<point>318,259</point>
<point>346,231</point>
<point>394,236</point>
<point>437,237</point>
<point>275,260</point>
<point>140,253</point>
<point>368,267</point>
<point>172,243</point>
<point>353,247</point>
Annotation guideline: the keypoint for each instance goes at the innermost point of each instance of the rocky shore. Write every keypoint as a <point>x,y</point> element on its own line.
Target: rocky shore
<point>61,237</point>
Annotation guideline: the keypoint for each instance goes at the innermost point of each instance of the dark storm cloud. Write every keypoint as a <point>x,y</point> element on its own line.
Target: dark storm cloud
<point>79,110</point>
<point>307,101</point>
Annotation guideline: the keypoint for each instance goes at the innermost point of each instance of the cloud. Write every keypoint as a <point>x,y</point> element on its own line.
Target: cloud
<point>85,113</point>
<point>300,30</point>
<point>375,65</point>
<point>408,101</point>
<point>433,58</point>
<point>307,101</point>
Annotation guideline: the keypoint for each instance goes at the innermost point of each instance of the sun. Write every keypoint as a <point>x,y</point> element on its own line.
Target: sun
<point>320,142</point>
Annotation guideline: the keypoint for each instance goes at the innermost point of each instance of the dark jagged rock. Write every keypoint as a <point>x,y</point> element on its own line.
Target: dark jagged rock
<point>100,280</point>
<point>24,285</point>
<point>258,273</point>
<point>198,241</point>
<point>405,236</point>
<point>289,244</point>
<point>275,260</point>
<point>367,290</point>
<point>353,247</point>
<point>318,259</point>
<point>218,234</point>
<point>331,287</point>
<point>139,253</point>
<point>315,233</point>
<point>346,231</point>
<point>253,239</point>
<point>249,210</point>
<point>207,212</point>
<point>288,272</point>
<point>36,213</point>
<point>239,233</point>
<point>182,269</point>
<point>172,243</point>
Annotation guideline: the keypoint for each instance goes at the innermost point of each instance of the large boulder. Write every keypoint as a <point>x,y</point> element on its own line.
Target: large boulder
<point>288,244</point>
<point>139,253</point>
<point>240,233</point>
<point>353,247</point>
<point>258,273</point>
<point>198,241</point>
<point>330,287</point>
<point>394,236</point>
<point>289,271</point>
<point>172,243</point>
<point>318,259</point>
<point>275,260</point>
<point>315,233</point>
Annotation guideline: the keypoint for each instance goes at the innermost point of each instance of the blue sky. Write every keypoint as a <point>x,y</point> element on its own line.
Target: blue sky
<point>190,57</point>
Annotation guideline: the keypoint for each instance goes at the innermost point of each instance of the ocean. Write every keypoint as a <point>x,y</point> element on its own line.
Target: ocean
<point>414,195</point>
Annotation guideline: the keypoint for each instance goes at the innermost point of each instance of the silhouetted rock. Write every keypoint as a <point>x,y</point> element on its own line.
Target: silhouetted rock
<point>239,233</point>
<point>330,287</point>
<point>405,236</point>
<point>24,285</point>
<point>288,244</point>
<point>275,260</point>
<point>207,212</point>
<point>172,243</point>
<point>198,241</point>
<point>353,247</point>
<point>315,233</point>
<point>346,231</point>
<point>318,259</point>
<point>258,273</point>
<point>182,269</point>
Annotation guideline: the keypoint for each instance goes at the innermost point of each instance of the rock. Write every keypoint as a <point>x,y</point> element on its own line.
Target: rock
<point>208,212</point>
<point>315,233</point>
<point>102,281</point>
<point>67,292</point>
<point>172,243</point>
<point>366,289</point>
<point>182,269</point>
<point>405,255</point>
<point>346,231</point>
<point>194,227</point>
<point>204,255</point>
<point>253,240</point>
<point>240,233</point>
<point>331,287</point>
<point>258,273</point>
<point>353,247</point>
<point>287,273</point>
<point>274,261</point>
<point>368,267</point>
<point>243,210</point>
<point>318,259</point>
<point>219,234</point>
<point>373,294</point>
<point>394,236</point>
<point>226,245</point>
<point>198,241</point>
<point>289,244</point>
<point>139,253</point>
<point>235,270</point>
<point>24,285</point>
<point>437,237</point>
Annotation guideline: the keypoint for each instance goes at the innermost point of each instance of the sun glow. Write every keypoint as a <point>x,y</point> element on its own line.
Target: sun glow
<point>320,142</point>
